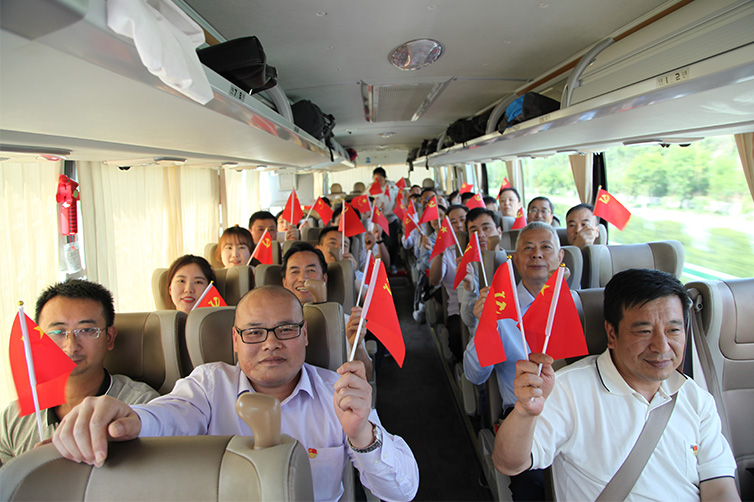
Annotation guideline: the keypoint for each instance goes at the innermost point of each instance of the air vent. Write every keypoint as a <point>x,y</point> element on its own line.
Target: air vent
<point>388,103</point>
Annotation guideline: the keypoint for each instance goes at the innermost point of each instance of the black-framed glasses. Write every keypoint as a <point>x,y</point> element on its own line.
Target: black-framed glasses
<point>79,334</point>
<point>259,335</point>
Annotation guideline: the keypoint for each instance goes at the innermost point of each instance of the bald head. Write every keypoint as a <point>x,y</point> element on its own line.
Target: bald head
<point>263,294</point>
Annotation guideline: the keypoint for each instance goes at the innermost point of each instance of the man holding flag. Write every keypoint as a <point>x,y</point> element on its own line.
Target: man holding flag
<point>78,316</point>
<point>385,201</point>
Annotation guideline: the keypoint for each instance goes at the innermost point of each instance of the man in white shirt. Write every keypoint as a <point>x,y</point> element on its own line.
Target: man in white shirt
<point>329,413</point>
<point>596,408</point>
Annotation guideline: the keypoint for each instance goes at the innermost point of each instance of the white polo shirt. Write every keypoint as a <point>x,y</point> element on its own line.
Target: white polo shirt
<point>593,417</point>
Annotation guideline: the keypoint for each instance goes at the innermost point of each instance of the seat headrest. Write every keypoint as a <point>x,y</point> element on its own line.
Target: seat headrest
<point>232,283</point>
<point>147,348</point>
<point>326,328</point>
<point>209,335</point>
<point>602,262</point>
<point>209,253</point>
<point>162,299</point>
<point>589,304</point>
<point>340,284</point>
<point>165,468</point>
<point>311,234</point>
<point>287,244</point>
<point>265,275</point>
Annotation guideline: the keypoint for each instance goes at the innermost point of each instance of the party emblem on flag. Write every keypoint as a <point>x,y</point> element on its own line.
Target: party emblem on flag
<point>500,303</point>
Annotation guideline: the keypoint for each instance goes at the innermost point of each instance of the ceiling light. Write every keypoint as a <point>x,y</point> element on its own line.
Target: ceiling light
<point>56,152</point>
<point>415,54</point>
<point>230,164</point>
<point>386,134</point>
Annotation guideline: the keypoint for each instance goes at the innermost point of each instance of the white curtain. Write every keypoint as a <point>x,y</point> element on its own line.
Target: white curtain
<point>241,197</point>
<point>581,166</point>
<point>745,144</point>
<point>30,254</point>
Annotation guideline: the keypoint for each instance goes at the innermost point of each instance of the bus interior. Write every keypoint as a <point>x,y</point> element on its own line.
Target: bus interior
<point>654,100</point>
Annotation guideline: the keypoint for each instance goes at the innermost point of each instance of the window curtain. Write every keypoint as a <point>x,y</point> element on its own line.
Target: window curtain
<point>745,144</point>
<point>516,178</point>
<point>30,255</point>
<point>581,167</point>
<point>241,197</point>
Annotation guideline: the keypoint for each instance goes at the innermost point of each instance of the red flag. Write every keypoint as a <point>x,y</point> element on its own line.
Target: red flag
<point>379,218</point>
<point>211,298</point>
<point>567,336</point>
<point>475,201</point>
<point>466,187</point>
<point>370,269</point>
<point>444,240</point>
<point>382,317</point>
<point>471,254</point>
<point>375,189</point>
<point>323,210</point>
<point>292,212</point>
<point>506,184</point>
<point>500,304</point>
<point>520,220</point>
<point>361,203</point>
<point>409,222</point>
<point>430,212</point>
<point>263,250</point>
<point>609,208</point>
<point>51,365</point>
<point>350,221</point>
<point>398,210</point>
<point>387,192</point>
<point>401,184</point>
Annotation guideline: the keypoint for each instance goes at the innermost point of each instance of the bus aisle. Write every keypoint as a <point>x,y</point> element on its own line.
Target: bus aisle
<point>417,403</point>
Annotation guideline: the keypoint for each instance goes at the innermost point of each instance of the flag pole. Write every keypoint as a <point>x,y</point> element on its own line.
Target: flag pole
<point>361,288</point>
<point>518,305</point>
<point>311,209</point>
<point>365,309</point>
<point>256,248</point>
<point>293,199</point>
<point>201,297</point>
<point>553,308</point>
<point>30,368</point>
<point>343,226</point>
<point>481,259</point>
<point>416,222</point>
<point>454,236</point>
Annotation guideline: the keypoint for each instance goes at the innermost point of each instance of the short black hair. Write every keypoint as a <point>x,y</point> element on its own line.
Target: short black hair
<point>552,208</point>
<point>453,207</point>
<point>511,189</point>
<point>480,211</point>
<point>326,201</point>
<point>414,186</point>
<point>428,189</point>
<point>262,215</point>
<point>328,230</point>
<point>453,195</point>
<point>466,196</point>
<point>79,289</point>
<point>580,206</point>
<point>637,287</point>
<point>303,247</point>
<point>489,200</point>
<point>339,210</point>
<point>380,171</point>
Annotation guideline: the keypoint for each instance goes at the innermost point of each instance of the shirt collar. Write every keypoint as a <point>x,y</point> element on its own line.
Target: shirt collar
<point>525,299</point>
<point>614,383</point>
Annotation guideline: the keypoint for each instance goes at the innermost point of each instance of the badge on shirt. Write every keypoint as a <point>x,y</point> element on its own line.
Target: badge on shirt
<point>312,452</point>
<point>694,449</point>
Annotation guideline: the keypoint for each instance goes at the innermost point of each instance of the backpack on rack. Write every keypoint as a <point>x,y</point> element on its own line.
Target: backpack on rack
<point>530,105</point>
<point>241,61</point>
<point>310,118</point>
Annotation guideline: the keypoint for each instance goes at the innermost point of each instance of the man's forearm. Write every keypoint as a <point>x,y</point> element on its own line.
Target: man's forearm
<point>513,442</point>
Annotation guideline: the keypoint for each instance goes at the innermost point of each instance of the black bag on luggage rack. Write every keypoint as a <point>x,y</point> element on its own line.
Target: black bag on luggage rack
<point>310,118</point>
<point>527,107</point>
<point>463,130</point>
<point>242,61</point>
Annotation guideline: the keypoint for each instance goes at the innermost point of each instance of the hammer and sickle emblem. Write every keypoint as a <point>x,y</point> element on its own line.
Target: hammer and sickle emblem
<point>387,288</point>
<point>500,303</point>
<point>267,243</point>
<point>604,198</point>
<point>432,203</point>
<point>214,302</point>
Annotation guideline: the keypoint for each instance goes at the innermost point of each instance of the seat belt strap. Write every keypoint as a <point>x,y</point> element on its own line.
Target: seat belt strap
<point>625,478</point>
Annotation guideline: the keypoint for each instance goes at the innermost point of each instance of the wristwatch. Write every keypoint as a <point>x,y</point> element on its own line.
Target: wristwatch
<point>376,444</point>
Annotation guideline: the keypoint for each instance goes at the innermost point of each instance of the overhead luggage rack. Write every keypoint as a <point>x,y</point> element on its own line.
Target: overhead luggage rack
<point>48,82</point>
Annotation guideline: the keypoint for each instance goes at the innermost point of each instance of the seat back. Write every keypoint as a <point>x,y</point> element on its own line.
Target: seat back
<point>508,239</point>
<point>265,275</point>
<point>209,335</point>
<point>589,304</point>
<point>602,262</point>
<point>724,315</point>
<point>506,222</point>
<point>150,347</point>
<point>325,326</point>
<point>340,284</point>
<point>574,260</point>
<point>234,282</point>
<point>165,468</point>
<point>311,234</point>
<point>162,299</point>
<point>287,244</point>
<point>209,253</point>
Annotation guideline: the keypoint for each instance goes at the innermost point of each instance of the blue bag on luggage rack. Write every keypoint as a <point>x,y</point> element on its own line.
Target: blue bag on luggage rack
<point>527,107</point>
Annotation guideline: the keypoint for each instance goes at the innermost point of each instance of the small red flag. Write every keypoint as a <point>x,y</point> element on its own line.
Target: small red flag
<point>292,212</point>
<point>466,187</point>
<point>51,366</point>
<point>387,192</point>
<point>567,336</point>
<point>323,210</point>
<point>379,219</point>
<point>350,222</point>
<point>610,209</point>
<point>500,304</point>
<point>409,222</point>
<point>212,298</point>
<point>361,203</point>
<point>471,254</point>
<point>401,184</point>
<point>506,184</point>
<point>520,220</point>
<point>475,201</point>
<point>381,315</point>
<point>370,269</point>
<point>430,213</point>
<point>445,239</point>
<point>263,250</point>
<point>375,189</point>
<point>399,210</point>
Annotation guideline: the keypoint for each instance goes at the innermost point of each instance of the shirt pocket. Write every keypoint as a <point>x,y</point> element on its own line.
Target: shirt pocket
<point>327,471</point>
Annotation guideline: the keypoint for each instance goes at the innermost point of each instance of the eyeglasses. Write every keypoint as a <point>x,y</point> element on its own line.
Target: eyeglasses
<point>535,210</point>
<point>259,335</point>
<point>79,334</point>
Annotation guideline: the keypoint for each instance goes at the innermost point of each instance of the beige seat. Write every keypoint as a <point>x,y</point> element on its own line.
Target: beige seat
<point>232,283</point>
<point>266,275</point>
<point>209,254</point>
<point>602,262</point>
<point>340,284</point>
<point>723,318</point>
<point>287,245</point>
<point>311,234</point>
<point>150,348</point>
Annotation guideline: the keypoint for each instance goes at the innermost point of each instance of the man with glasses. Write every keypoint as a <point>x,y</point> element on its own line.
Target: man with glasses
<point>78,316</point>
<point>329,413</point>
<point>540,209</point>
